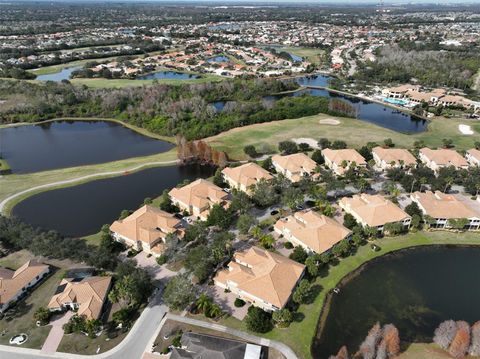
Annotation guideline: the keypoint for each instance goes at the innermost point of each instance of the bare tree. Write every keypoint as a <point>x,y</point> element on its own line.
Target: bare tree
<point>367,349</point>
<point>445,333</point>
<point>475,340</point>
<point>461,341</point>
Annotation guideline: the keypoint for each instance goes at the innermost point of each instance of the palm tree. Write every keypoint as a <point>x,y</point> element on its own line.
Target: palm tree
<point>203,303</point>
<point>214,311</point>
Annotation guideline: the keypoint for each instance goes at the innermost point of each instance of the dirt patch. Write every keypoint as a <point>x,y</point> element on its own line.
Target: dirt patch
<point>310,141</point>
<point>329,121</point>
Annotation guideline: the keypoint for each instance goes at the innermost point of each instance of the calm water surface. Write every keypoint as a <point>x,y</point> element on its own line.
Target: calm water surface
<point>167,75</point>
<point>83,209</point>
<point>415,290</point>
<point>219,58</point>
<point>62,144</point>
<point>63,74</point>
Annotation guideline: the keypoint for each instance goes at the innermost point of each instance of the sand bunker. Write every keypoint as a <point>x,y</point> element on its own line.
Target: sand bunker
<point>310,141</point>
<point>465,129</point>
<point>329,121</point>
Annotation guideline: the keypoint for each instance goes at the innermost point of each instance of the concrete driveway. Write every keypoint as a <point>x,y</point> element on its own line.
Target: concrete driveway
<point>161,273</point>
<point>226,300</point>
<point>55,335</point>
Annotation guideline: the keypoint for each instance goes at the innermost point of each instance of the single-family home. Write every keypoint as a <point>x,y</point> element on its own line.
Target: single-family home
<point>399,91</point>
<point>386,158</point>
<point>261,277</point>
<point>295,166</point>
<point>443,157</point>
<point>14,284</point>
<point>313,231</point>
<point>473,157</point>
<point>146,229</point>
<point>443,207</point>
<point>198,197</point>
<point>339,161</point>
<point>86,296</point>
<point>245,176</point>
<point>374,211</point>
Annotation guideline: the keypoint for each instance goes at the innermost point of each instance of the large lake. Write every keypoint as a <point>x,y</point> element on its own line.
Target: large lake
<point>415,290</point>
<point>62,144</point>
<point>82,210</point>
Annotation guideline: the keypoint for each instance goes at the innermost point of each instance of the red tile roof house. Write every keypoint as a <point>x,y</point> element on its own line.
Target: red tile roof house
<point>386,158</point>
<point>443,207</point>
<point>294,167</point>
<point>436,159</point>
<point>339,161</point>
<point>15,284</point>
<point>312,231</point>
<point>146,229</point>
<point>374,211</point>
<point>263,278</point>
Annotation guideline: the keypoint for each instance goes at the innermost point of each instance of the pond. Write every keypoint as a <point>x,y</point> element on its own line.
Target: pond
<point>414,289</point>
<point>295,58</point>
<point>63,74</point>
<point>167,75</point>
<point>82,210</point>
<point>368,111</point>
<point>219,58</point>
<point>60,144</point>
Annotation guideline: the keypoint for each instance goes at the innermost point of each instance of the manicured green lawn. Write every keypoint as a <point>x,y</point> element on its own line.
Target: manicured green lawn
<point>312,55</point>
<point>355,132</point>
<point>300,334</point>
<point>81,344</point>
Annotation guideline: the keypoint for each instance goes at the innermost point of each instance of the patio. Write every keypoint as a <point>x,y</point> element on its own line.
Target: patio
<point>226,301</point>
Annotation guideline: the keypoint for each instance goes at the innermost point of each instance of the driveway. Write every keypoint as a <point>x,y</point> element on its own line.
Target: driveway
<point>161,273</point>
<point>55,335</point>
<point>226,301</point>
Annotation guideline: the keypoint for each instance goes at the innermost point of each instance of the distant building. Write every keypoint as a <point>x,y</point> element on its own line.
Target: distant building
<point>14,284</point>
<point>202,346</point>
<point>245,176</point>
<point>295,166</point>
<point>386,158</point>
<point>86,296</point>
<point>311,230</point>
<point>198,197</point>
<point>261,277</point>
<point>146,229</point>
<point>399,92</point>
<point>374,211</point>
<point>444,207</point>
<point>339,161</point>
<point>436,159</point>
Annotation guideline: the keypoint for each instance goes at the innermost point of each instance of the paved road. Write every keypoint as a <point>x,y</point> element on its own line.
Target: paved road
<point>132,347</point>
<point>82,178</point>
<point>282,348</point>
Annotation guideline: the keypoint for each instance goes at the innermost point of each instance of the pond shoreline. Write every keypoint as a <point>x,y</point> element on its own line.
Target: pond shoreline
<point>325,310</point>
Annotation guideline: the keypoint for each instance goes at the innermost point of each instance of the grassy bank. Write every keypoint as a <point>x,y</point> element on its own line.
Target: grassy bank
<point>312,55</point>
<point>15,183</point>
<point>355,132</point>
<point>299,336</point>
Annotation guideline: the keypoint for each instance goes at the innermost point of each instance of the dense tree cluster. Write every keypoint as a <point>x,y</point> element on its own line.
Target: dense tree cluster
<point>458,338</point>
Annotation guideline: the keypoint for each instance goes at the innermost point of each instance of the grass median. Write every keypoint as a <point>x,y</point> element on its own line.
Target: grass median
<point>300,335</point>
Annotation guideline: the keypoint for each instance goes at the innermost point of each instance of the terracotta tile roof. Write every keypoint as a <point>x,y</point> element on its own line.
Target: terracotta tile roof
<point>374,210</point>
<point>247,175</point>
<point>441,205</point>
<point>146,224</point>
<point>347,154</point>
<point>444,157</point>
<point>396,155</point>
<point>318,232</point>
<point>263,274</point>
<point>298,162</point>
<point>90,294</point>
<point>474,153</point>
<point>199,194</point>
<point>12,282</point>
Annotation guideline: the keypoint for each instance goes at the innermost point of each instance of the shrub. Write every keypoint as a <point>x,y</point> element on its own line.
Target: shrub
<point>288,245</point>
<point>239,303</point>
<point>257,320</point>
